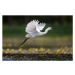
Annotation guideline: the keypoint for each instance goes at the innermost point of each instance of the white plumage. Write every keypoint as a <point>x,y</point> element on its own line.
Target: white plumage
<point>34,29</point>
<point>33,26</point>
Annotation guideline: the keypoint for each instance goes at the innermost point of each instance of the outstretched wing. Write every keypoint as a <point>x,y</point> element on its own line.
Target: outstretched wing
<point>31,26</point>
<point>40,26</point>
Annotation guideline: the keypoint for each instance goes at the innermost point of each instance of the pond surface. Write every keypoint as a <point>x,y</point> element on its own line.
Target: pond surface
<point>37,57</point>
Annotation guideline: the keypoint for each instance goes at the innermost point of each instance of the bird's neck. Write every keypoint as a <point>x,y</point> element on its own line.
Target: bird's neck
<point>46,30</point>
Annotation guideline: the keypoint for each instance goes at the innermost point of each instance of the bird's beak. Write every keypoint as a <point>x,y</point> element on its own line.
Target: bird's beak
<point>53,28</point>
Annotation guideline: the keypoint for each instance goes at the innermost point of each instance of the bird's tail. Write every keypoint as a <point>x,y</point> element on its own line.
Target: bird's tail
<point>24,41</point>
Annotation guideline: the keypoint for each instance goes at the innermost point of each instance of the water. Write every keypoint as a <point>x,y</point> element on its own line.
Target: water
<point>37,57</point>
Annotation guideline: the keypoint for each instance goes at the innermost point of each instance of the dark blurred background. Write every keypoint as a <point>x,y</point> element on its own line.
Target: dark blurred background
<point>20,20</point>
<point>14,29</point>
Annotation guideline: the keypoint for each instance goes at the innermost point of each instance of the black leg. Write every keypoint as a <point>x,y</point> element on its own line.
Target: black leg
<point>24,41</point>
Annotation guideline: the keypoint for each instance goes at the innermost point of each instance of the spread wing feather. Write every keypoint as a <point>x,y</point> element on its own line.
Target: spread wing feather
<point>33,26</point>
<point>41,26</point>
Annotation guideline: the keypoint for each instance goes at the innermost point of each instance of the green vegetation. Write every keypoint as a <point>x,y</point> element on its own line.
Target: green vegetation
<point>60,36</point>
<point>59,30</point>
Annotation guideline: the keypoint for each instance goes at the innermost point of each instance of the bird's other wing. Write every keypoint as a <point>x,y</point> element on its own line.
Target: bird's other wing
<point>40,26</point>
<point>31,26</point>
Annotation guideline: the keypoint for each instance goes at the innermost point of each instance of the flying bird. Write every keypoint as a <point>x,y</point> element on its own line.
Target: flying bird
<point>34,29</point>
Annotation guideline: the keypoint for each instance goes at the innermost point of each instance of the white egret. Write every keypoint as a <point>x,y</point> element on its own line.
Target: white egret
<point>34,29</point>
